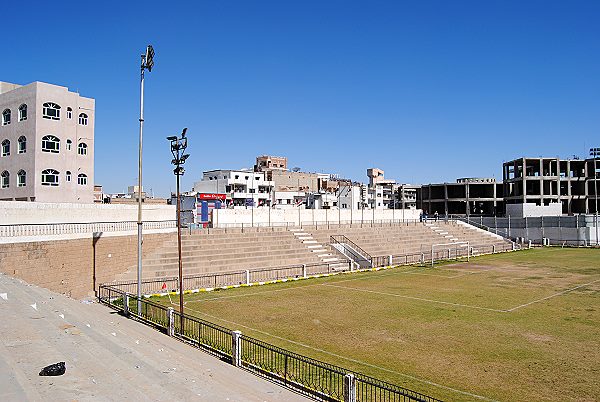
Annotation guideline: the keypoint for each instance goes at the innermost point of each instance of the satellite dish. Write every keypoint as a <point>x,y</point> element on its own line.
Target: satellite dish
<point>296,169</point>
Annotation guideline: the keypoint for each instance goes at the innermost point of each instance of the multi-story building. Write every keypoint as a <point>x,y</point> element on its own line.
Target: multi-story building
<point>241,187</point>
<point>266,163</point>
<point>468,196</point>
<point>542,181</point>
<point>47,144</point>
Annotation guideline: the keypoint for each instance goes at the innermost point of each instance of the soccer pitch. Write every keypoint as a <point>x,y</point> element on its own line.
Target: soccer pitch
<point>519,326</point>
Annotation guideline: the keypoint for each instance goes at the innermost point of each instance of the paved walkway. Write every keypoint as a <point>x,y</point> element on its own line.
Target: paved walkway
<point>108,357</point>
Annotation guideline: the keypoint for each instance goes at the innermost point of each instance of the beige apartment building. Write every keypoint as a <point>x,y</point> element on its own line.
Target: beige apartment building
<point>47,144</point>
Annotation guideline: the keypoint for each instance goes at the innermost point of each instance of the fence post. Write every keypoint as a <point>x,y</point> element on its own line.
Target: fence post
<point>236,348</point>
<point>126,305</point>
<point>493,249</point>
<point>349,388</point>
<point>304,270</point>
<point>529,243</point>
<point>171,315</point>
<point>247,277</point>
<point>390,261</point>
<point>422,258</point>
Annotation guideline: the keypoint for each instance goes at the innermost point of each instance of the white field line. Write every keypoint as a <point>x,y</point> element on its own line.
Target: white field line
<point>346,358</point>
<point>551,296</point>
<point>418,298</point>
<point>256,293</point>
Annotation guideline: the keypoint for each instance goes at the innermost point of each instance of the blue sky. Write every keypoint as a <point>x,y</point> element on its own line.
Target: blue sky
<point>429,91</point>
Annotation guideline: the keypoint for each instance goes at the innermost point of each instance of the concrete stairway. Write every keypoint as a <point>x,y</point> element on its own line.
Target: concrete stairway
<point>316,247</point>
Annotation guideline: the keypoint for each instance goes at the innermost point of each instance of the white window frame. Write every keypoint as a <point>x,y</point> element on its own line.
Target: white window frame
<point>51,110</point>
<point>50,139</point>
<point>6,115</point>
<point>82,179</point>
<point>21,178</point>
<point>22,145</point>
<point>5,179</point>
<point>82,148</point>
<point>50,173</point>
<point>23,112</point>
<point>68,144</point>
<point>83,119</point>
<point>5,148</point>
<point>69,113</point>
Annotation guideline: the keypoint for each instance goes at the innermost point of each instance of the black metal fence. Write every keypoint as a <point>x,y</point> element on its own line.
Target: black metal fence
<point>317,379</point>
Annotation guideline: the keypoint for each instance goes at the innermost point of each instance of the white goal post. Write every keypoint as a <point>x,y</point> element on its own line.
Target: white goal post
<point>445,245</point>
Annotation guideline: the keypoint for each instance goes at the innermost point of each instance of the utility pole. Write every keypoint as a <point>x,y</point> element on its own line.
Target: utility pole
<point>146,64</point>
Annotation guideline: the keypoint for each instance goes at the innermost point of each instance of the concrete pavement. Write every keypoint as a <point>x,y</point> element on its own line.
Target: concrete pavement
<point>108,357</point>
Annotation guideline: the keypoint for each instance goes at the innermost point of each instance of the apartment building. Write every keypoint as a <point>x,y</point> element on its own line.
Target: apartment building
<point>574,183</point>
<point>47,144</point>
<point>243,188</point>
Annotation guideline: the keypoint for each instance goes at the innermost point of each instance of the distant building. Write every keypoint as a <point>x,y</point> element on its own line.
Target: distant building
<point>265,163</point>
<point>47,144</point>
<point>542,181</point>
<point>243,188</point>
<point>468,196</point>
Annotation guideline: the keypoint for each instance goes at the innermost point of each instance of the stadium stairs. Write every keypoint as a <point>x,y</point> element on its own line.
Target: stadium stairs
<point>222,250</point>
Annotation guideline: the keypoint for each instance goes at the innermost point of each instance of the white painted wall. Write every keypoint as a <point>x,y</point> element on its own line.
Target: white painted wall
<point>266,216</point>
<point>530,210</point>
<point>23,212</point>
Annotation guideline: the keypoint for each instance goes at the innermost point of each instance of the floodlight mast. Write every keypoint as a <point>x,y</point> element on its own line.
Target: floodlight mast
<point>178,146</point>
<point>146,64</point>
<point>595,153</point>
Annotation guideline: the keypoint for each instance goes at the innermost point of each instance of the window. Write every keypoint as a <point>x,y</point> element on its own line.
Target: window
<point>6,117</point>
<point>49,177</point>
<point>23,112</point>
<point>83,119</point>
<point>237,176</point>
<point>82,179</point>
<point>69,113</point>
<point>51,111</point>
<point>22,145</point>
<point>21,178</point>
<point>50,144</point>
<point>68,176</point>
<point>68,146</point>
<point>5,148</point>
<point>82,148</point>
<point>4,179</point>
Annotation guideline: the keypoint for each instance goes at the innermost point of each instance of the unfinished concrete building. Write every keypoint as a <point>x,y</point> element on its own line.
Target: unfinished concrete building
<point>468,196</point>
<point>571,182</point>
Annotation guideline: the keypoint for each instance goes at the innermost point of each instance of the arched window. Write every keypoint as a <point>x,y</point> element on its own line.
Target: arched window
<point>68,176</point>
<point>51,111</point>
<point>82,148</point>
<point>21,178</point>
<point>50,177</point>
<point>22,145</point>
<point>50,144</point>
<point>5,148</point>
<point>69,113</point>
<point>23,112</point>
<point>6,117</point>
<point>4,179</point>
<point>83,119</point>
<point>68,146</point>
<point>82,179</point>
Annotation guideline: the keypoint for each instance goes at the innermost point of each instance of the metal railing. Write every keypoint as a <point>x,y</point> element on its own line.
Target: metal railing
<point>48,229</point>
<point>317,379</point>
<point>351,250</point>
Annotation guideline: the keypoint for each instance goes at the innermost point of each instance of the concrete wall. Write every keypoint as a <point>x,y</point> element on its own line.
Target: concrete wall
<point>267,216</point>
<point>529,210</point>
<point>75,267</point>
<point>23,212</point>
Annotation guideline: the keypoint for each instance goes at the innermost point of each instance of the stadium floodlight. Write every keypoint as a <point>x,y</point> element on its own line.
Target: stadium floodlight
<point>178,146</point>
<point>595,153</point>
<point>146,64</point>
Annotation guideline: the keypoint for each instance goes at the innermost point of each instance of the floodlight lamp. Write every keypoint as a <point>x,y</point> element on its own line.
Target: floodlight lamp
<point>183,132</point>
<point>172,138</point>
<point>149,57</point>
<point>183,158</point>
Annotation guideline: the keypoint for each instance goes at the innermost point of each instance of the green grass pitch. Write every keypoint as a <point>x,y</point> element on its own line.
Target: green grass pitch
<point>519,326</point>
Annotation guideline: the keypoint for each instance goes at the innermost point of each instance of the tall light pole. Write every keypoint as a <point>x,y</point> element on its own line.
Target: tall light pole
<point>146,64</point>
<point>595,153</point>
<point>178,146</point>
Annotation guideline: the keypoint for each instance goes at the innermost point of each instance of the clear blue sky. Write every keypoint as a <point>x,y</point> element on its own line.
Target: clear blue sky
<point>426,90</point>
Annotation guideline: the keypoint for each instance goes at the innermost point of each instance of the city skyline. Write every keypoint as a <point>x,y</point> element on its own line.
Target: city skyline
<point>427,92</point>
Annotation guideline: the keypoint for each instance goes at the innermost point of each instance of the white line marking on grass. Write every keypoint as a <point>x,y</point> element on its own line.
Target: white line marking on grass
<point>551,296</point>
<point>257,293</point>
<point>347,358</point>
<point>418,298</point>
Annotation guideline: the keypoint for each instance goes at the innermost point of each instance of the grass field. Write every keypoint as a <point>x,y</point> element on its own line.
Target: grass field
<point>521,326</point>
